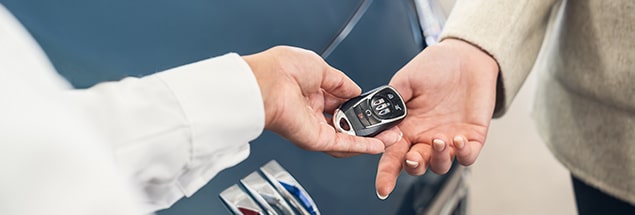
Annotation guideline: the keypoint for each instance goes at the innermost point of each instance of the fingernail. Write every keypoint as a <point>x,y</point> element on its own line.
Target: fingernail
<point>438,145</point>
<point>458,142</point>
<point>380,196</point>
<point>412,164</point>
<point>400,136</point>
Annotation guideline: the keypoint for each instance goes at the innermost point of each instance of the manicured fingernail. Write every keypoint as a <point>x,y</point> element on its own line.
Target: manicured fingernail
<point>438,145</point>
<point>412,164</point>
<point>459,142</point>
<point>380,196</point>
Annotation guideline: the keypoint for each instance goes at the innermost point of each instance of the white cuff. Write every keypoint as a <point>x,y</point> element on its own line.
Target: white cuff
<point>221,101</point>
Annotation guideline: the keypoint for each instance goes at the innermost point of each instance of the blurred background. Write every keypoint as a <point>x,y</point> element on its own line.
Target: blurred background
<point>93,41</point>
<point>516,173</point>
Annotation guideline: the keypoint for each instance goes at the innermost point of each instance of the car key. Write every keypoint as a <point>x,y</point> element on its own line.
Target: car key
<point>370,113</point>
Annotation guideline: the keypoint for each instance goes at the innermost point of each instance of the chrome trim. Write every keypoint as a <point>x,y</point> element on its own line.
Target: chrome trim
<point>339,115</point>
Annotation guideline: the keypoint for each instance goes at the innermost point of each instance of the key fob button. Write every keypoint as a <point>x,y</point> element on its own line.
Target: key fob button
<point>371,112</point>
<point>378,101</point>
<point>362,116</point>
<point>383,112</point>
<point>381,106</point>
<point>373,120</point>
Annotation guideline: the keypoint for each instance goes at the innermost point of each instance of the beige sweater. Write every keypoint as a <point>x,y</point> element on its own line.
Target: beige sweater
<point>585,105</point>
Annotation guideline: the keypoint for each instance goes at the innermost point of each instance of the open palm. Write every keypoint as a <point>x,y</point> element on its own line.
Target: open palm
<point>450,92</point>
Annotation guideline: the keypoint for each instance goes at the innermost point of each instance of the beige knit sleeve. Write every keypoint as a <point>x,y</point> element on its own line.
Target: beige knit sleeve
<point>510,31</point>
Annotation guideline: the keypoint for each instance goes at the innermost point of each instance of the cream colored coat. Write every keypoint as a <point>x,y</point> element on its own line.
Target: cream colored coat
<point>585,105</point>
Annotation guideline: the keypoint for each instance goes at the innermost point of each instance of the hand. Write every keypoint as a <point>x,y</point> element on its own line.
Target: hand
<point>450,92</point>
<point>297,88</point>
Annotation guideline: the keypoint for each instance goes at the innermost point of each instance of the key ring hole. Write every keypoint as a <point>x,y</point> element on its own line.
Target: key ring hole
<point>344,124</point>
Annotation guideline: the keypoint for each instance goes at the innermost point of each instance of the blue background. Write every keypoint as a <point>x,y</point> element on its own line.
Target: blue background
<point>91,41</point>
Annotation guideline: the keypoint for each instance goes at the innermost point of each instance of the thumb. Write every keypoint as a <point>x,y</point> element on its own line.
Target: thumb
<point>401,83</point>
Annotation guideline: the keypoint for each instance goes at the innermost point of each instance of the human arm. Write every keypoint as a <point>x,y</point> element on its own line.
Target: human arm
<point>509,34</point>
<point>174,130</point>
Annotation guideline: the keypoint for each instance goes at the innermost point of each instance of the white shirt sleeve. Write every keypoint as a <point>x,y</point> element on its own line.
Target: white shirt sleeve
<point>175,130</point>
<point>66,151</point>
<point>51,159</point>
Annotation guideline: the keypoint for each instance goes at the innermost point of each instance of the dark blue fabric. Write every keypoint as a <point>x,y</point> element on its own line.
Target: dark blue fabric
<point>91,41</point>
<point>590,201</point>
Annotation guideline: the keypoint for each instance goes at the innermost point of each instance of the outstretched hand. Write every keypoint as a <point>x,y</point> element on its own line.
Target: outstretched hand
<point>298,87</point>
<point>450,92</point>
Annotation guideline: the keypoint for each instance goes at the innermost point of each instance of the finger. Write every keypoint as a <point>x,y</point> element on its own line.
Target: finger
<point>315,134</point>
<point>389,167</point>
<point>354,144</point>
<point>466,151</point>
<point>338,84</point>
<point>390,136</point>
<point>416,160</point>
<point>305,127</point>
<point>440,159</point>
<point>402,85</point>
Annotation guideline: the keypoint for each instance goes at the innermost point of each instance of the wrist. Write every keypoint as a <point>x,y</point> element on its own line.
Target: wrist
<point>473,56</point>
<point>263,80</point>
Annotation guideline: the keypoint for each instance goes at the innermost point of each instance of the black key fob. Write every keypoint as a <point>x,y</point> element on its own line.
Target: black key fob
<point>370,113</point>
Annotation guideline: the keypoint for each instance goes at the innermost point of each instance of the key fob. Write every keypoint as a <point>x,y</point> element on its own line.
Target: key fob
<point>371,113</point>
